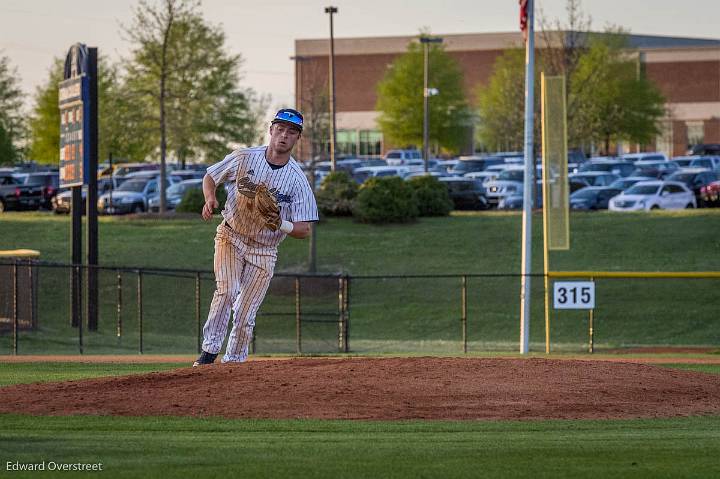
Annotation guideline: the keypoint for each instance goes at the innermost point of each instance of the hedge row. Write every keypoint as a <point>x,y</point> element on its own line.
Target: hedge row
<point>383,200</point>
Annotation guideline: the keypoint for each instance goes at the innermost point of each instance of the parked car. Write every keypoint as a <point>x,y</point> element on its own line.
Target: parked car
<point>710,194</point>
<point>62,202</point>
<point>444,166</point>
<point>705,149</point>
<point>399,157</point>
<point>465,193</point>
<point>182,175</point>
<point>593,197</point>
<point>594,178</point>
<point>694,179</point>
<point>373,162</point>
<point>656,169</point>
<point>49,181</point>
<point>654,156</point>
<point>709,162</point>
<point>508,182</point>
<point>362,174</point>
<point>415,174</point>
<point>684,161</point>
<point>516,200</point>
<point>625,183</point>
<point>484,176</point>
<point>123,169</point>
<point>651,195</point>
<point>617,167</point>
<point>174,194</point>
<point>469,165</point>
<point>16,196</point>
<point>131,197</point>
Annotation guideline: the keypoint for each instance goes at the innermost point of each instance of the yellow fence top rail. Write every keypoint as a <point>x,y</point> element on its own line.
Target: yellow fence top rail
<point>634,274</point>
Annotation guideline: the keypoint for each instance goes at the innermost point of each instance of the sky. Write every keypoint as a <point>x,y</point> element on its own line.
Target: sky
<point>263,32</point>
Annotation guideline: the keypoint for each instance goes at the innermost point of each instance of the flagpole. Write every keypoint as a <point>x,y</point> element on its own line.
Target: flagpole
<point>528,181</point>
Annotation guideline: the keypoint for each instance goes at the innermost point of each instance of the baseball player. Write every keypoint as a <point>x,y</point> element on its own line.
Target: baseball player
<point>269,197</point>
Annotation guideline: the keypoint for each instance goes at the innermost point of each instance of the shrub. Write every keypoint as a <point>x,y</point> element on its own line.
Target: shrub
<point>193,200</point>
<point>385,200</point>
<point>337,194</point>
<point>432,196</point>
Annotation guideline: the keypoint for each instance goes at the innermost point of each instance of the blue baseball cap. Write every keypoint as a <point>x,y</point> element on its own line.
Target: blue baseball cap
<point>290,116</point>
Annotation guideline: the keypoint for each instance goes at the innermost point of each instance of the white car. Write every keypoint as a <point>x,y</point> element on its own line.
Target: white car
<point>362,174</point>
<point>484,176</point>
<point>401,157</point>
<point>652,195</point>
<point>508,182</point>
<point>654,156</point>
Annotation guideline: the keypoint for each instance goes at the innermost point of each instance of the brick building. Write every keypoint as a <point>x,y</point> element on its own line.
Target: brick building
<point>687,71</point>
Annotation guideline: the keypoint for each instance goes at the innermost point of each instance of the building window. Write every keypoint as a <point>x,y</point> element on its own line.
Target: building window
<point>370,142</point>
<point>359,142</point>
<point>347,142</point>
<point>695,132</point>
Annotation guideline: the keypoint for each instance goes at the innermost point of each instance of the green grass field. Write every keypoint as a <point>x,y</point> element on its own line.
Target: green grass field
<point>419,315</point>
<point>213,447</point>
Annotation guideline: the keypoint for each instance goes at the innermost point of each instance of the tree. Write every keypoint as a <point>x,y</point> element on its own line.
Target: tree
<point>612,101</point>
<point>607,100</point>
<point>45,118</point>
<point>119,130</point>
<point>12,125</point>
<point>501,104</point>
<point>400,100</point>
<point>189,85</point>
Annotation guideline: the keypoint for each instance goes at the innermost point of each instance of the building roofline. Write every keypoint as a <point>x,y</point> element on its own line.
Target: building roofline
<point>479,42</point>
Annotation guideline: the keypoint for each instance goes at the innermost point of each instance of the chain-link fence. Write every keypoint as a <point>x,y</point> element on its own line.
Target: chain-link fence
<point>161,311</point>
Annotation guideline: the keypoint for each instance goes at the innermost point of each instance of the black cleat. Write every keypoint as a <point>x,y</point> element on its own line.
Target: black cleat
<point>205,358</point>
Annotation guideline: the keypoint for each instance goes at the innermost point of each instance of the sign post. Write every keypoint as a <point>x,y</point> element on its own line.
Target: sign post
<point>77,96</point>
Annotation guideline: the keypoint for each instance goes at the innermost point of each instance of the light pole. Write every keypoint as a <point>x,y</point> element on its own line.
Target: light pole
<point>331,11</point>
<point>426,41</point>
<point>312,251</point>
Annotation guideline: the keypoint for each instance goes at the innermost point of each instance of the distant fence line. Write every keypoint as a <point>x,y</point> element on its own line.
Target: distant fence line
<point>316,301</point>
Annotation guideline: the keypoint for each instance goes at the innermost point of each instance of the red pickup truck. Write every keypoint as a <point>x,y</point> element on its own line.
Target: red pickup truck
<point>16,196</point>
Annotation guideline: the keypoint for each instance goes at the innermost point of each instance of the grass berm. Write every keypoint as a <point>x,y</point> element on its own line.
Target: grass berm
<point>404,315</point>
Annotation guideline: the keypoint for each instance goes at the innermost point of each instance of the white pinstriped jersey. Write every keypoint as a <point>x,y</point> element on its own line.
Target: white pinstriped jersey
<point>245,169</point>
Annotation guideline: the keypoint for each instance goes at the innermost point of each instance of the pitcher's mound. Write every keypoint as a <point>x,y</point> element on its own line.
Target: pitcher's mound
<point>393,388</point>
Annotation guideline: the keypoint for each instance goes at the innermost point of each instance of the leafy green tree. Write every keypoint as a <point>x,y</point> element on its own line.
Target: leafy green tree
<point>120,130</point>
<point>187,82</point>
<point>45,118</point>
<point>400,100</point>
<point>12,125</point>
<point>607,99</point>
<point>501,104</point>
<point>612,101</point>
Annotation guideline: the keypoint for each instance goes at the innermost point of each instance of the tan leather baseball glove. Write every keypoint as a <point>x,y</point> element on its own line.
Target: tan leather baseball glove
<point>268,207</point>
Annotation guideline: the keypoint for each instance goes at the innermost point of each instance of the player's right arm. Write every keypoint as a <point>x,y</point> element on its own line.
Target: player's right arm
<point>217,174</point>
<point>211,202</point>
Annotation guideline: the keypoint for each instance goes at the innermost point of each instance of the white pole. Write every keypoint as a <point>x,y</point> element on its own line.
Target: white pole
<point>528,183</point>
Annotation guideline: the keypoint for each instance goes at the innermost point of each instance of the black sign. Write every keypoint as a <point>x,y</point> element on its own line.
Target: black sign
<point>74,127</point>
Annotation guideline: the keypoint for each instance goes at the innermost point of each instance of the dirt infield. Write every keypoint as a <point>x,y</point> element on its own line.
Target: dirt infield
<point>387,389</point>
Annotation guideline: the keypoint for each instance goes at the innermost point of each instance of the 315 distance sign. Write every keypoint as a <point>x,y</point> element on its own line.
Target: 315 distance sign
<point>574,295</point>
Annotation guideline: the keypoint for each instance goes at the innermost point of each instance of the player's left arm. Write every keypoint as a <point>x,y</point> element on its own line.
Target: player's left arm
<point>301,229</point>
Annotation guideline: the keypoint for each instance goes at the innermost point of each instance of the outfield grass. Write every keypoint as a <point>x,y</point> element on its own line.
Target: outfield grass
<point>395,315</point>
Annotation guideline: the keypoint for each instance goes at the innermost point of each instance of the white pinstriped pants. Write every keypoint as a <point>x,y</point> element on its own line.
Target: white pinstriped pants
<point>242,277</point>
